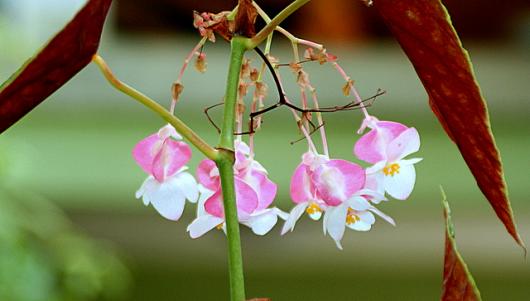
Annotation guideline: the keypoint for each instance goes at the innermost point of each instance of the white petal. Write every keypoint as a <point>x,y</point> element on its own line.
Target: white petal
<point>205,194</point>
<point>203,224</point>
<point>187,184</point>
<point>360,226</point>
<point>336,222</point>
<point>358,203</point>
<point>374,196</point>
<point>262,222</point>
<point>280,213</point>
<point>149,184</point>
<point>383,216</point>
<point>294,216</point>
<point>376,167</point>
<point>167,199</point>
<point>400,184</point>
<point>410,161</point>
<point>365,223</point>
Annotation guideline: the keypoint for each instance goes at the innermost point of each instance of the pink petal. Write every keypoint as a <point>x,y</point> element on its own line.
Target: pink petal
<point>371,147</point>
<point>172,156</point>
<point>403,145</point>
<point>337,180</point>
<point>263,186</point>
<point>247,200</point>
<point>204,171</point>
<point>214,204</point>
<point>301,186</point>
<point>145,151</point>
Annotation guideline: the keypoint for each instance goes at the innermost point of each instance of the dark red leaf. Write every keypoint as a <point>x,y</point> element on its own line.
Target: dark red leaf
<point>424,30</point>
<point>65,55</point>
<point>246,18</point>
<point>458,284</point>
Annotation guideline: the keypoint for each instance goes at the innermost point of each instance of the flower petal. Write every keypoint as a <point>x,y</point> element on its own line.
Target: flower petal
<point>401,184</point>
<point>204,174</point>
<point>265,188</point>
<point>383,216</point>
<point>145,151</point>
<point>167,199</point>
<point>301,187</point>
<point>262,222</point>
<point>337,180</point>
<point>187,184</point>
<point>294,216</point>
<point>365,222</point>
<point>203,224</point>
<point>149,184</point>
<point>405,144</point>
<point>247,201</point>
<point>336,222</point>
<point>358,203</point>
<point>371,147</point>
<point>214,204</point>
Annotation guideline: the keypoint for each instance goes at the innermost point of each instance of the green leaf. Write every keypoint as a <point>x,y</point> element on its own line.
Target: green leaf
<point>62,58</point>
<point>424,31</point>
<point>458,283</point>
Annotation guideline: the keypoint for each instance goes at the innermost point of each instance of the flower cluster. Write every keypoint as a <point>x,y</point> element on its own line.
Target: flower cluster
<point>344,193</point>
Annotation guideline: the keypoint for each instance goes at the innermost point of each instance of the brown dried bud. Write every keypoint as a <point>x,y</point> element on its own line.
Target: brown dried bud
<point>200,62</point>
<point>347,87</point>
<point>254,74</point>
<point>243,89</point>
<point>261,89</point>
<point>176,90</point>
<point>245,69</point>
<point>302,79</point>
<point>295,67</point>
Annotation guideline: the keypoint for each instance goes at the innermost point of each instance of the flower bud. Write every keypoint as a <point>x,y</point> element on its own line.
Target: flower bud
<point>200,62</point>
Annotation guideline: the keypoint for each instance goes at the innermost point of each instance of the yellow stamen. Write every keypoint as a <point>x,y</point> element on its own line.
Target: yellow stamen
<point>220,226</point>
<point>391,169</point>
<point>313,208</point>
<point>352,218</point>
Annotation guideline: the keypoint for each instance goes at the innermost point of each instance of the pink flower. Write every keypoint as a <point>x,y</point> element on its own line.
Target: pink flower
<point>386,145</point>
<point>254,194</point>
<point>168,185</point>
<point>320,184</point>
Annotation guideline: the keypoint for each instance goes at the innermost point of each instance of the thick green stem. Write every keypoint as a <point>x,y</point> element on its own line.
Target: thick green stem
<point>225,163</point>
<point>180,126</point>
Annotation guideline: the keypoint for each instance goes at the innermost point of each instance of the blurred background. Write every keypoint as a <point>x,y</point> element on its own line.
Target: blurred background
<point>71,229</point>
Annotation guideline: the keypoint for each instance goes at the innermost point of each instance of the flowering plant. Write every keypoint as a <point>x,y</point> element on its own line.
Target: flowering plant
<point>232,187</point>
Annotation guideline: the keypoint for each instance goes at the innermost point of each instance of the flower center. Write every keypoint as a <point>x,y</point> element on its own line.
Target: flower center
<point>352,218</point>
<point>391,169</point>
<point>220,226</point>
<point>313,208</point>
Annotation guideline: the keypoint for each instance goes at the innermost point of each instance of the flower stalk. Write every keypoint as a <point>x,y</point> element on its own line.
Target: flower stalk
<point>179,125</point>
<point>225,163</point>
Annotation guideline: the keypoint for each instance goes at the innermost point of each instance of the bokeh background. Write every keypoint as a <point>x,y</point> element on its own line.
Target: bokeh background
<point>71,229</point>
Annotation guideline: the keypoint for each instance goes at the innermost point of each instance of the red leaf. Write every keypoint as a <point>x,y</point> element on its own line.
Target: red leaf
<point>62,58</point>
<point>424,30</point>
<point>458,284</point>
<point>246,18</point>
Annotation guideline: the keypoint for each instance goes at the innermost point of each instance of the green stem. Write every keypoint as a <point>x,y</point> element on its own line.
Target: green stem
<point>180,126</point>
<point>270,27</point>
<point>225,163</point>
